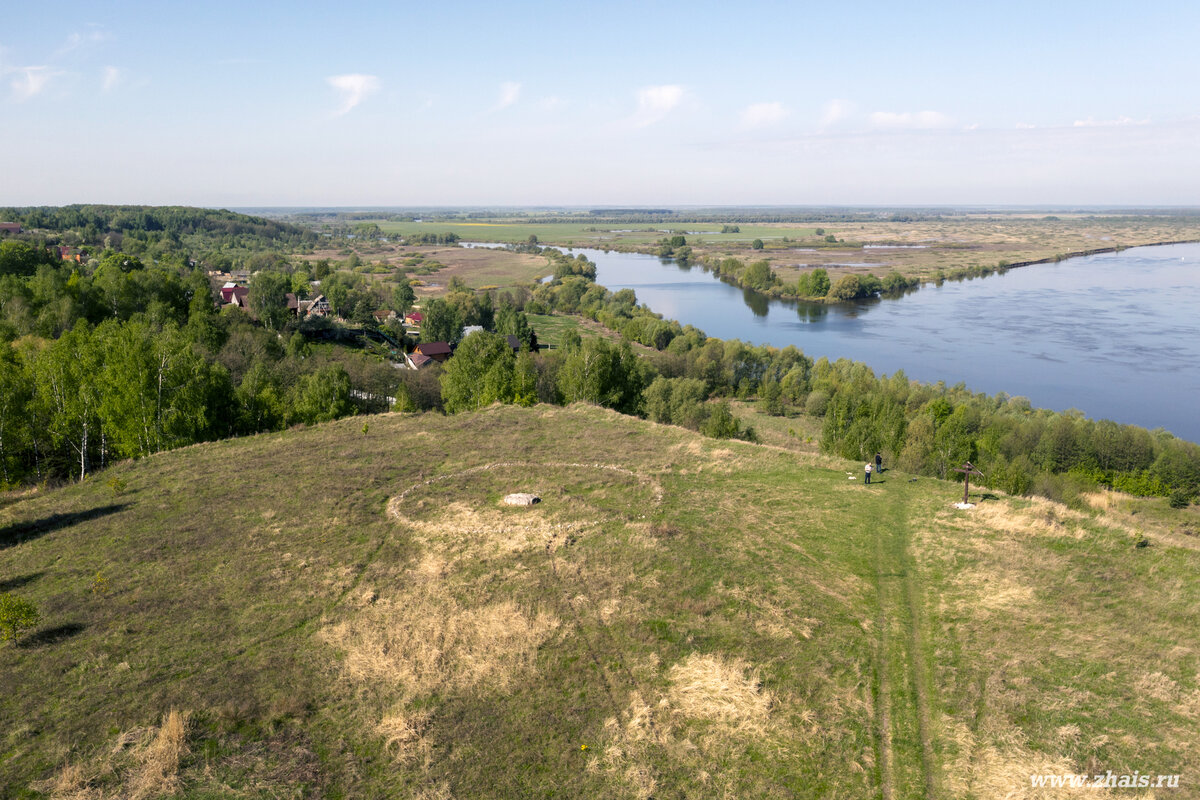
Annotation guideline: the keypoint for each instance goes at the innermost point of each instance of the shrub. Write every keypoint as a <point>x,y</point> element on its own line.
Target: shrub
<point>16,615</point>
<point>1179,498</point>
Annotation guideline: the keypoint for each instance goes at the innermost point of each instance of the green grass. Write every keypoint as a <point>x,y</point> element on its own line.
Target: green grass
<point>550,328</point>
<point>356,615</point>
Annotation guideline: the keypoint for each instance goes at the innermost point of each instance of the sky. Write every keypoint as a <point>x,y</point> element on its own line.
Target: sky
<point>583,104</point>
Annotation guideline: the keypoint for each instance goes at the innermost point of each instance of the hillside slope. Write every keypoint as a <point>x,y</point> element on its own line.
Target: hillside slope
<point>349,611</point>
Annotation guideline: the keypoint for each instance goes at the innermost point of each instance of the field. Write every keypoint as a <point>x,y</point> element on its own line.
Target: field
<point>917,249</point>
<point>348,610</point>
<point>598,234</point>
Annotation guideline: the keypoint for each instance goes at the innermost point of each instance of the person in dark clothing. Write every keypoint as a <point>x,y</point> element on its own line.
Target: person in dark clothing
<point>878,463</point>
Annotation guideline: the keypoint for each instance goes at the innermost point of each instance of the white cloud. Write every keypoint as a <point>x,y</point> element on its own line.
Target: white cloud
<point>655,103</point>
<point>910,120</point>
<point>78,40</point>
<point>112,78</point>
<point>30,81</point>
<point>1109,123</point>
<point>354,88</point>
<point>759,115</point>
<point>1026,126</point>
<point>835,111</point>
<point>510,92</point>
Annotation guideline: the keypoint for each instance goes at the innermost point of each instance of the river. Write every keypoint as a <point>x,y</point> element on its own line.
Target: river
<point>1115,335</point>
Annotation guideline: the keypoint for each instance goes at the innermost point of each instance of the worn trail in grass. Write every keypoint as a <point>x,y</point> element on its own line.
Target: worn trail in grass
<point>908,766</point>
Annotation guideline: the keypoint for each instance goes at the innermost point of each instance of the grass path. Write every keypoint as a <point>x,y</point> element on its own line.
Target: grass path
<point>907,762</point>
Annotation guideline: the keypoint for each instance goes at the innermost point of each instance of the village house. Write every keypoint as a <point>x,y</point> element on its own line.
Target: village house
<point>438,351</point>
<point>317,307</point>
<point>414,319</point>
<point>417,360</point>
<point>240,297</point>
<point>70,254</point>
<point>10,227</point>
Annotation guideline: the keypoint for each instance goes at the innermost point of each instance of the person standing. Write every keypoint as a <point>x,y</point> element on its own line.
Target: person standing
<point>867,472</point>
<point>878,463</point>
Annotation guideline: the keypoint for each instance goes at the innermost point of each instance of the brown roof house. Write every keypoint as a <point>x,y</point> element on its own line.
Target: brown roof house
<point>438,351</point>
<point>417,360</point>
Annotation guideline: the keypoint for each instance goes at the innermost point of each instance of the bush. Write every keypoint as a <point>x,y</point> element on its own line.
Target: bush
<point>1179,499</point>
<point>16,615</point>
<point>721,424</point>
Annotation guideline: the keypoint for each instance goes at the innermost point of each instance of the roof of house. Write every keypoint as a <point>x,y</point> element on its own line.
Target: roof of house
<point>415,315</point>
<point>419,359</point>
<point>467,331</point>
<point>383,314</point>
<point>292,300</point>
<point>434,348</point>
<point>513,342</point>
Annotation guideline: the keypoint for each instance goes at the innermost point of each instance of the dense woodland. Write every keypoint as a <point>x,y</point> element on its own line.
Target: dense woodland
<point>121,354</point>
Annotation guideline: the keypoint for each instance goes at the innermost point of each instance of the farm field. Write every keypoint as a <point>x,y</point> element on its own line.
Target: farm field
<point>679,616</point>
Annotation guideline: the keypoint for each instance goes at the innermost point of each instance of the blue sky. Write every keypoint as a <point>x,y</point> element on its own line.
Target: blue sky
<point>359,104</point>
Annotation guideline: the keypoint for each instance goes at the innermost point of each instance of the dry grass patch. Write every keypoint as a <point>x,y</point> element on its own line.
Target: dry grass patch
<point>726,691</point>
<point>143,763</point>
<point>426,642</point>
<point>631,744</point>
<point>404,734</point>
<point>1157,686</point>
<point>994,591</point>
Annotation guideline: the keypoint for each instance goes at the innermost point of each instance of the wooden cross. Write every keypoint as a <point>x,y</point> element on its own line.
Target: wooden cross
<point>968,469</point>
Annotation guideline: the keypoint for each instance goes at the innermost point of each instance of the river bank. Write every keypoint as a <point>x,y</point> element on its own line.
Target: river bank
<point>1113,334</point>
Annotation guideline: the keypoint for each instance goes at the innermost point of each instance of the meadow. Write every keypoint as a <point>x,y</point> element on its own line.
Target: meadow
<point>348,610</point>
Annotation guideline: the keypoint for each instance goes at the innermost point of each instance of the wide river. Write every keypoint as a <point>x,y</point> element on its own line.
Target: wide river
<point>1115,335</point>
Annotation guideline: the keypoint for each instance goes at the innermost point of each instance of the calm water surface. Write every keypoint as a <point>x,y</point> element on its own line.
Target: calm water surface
<point>1115,335</point>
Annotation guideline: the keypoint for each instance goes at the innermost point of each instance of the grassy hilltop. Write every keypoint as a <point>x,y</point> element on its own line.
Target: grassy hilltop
<point>347,610</point>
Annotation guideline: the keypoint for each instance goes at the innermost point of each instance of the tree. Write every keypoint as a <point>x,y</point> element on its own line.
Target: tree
<point>759,276</point>
<point>268,298</point>
<point>757,244</point>
<point>16,615</point>
<point>721,423</point>
<point>481,373</point>
<point>260,401</point>
<point>605,374</point>
<point>848,287</point>
<point>403,297</point>
<point>66,399</point>
<point>18,258</point>
<point>819,282</point>
<point>321,396</point>
<point>441,323</point>
<point>15,394</point>
<point>155,392</point>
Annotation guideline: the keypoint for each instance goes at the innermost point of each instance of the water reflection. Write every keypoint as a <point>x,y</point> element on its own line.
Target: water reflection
<point>811,312</point>
<point>758,303</point>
